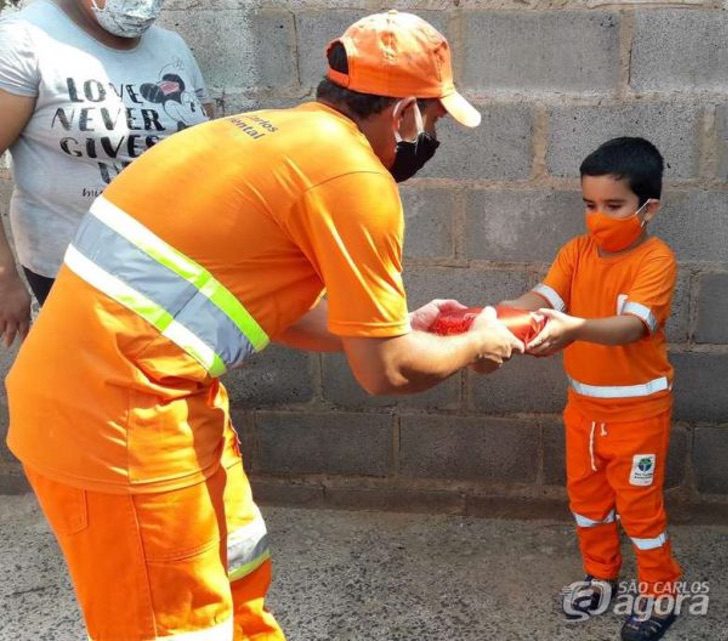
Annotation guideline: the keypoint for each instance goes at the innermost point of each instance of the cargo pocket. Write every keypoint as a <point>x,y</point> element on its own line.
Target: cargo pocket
<point>64,506</point>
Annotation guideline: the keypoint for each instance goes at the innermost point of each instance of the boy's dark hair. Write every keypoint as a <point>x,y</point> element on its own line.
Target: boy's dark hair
<point>635,159</point>
<point>360,104</point>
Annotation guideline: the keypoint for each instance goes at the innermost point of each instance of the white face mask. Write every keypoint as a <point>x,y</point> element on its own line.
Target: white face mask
<point>127,18</point>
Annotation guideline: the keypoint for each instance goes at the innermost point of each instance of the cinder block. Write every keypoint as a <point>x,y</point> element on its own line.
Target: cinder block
<point>721,126</point>
<point>524,384</point>
<point>428,217</point>
<point>331,443</point>
<point>236,103</point>
<point>5,453</point>
<point>693,224</point>
<point>676,328</point>
<point>340,387</point>
<point>677,457</point>
<point>243,424</point>
<point>661,40</point>
<point>553,51</point>
<point>527,226</point>
<point>471,449</point>
<point>395,500</point>
<point>713,310</point>
<point>469,286</point>
<point>315,29</point>
<point>7,356</point>
<point>710,452</point>
<point>701,387</point>
<point>574,132</point>
<point>554,453</point>
<point>522,508</point>
<point>276,375</point>
<point>499,149</point>
<point>239,48</point>
<point>6,190</point>
<point>267,491</point>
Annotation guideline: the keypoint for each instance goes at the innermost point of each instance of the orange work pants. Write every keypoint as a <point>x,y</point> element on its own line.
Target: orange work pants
<point>184,565</point>
<point>617,471</point>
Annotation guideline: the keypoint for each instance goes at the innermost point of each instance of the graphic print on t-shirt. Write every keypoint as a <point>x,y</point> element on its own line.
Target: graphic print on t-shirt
<point>114,123</point>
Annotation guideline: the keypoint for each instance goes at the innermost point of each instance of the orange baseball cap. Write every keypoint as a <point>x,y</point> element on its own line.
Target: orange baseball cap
<point>399,55</point>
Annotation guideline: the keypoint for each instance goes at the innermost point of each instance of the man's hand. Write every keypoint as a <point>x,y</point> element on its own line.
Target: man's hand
<point>422,318</point>
<point>501,343</point>
<point>14,308</point>
<point>560,331</point>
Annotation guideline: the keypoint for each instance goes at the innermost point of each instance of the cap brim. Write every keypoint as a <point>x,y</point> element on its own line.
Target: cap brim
<point>461,110</point>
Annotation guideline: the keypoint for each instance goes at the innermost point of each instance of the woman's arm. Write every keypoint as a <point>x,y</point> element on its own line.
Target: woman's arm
<point>14,298</point>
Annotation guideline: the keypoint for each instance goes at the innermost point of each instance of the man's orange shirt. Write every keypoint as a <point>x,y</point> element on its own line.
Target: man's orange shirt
<point>274,204</point>
<point>639,282</point>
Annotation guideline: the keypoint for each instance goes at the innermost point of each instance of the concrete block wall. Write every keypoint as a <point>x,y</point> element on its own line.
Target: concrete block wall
<point>553,79</point>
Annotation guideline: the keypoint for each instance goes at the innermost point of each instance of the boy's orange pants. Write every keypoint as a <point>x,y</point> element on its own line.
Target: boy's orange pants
<point>617,471</point>
<point>185,565</point>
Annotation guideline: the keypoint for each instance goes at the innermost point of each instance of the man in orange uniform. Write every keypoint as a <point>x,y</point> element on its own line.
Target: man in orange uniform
<point>616,284</point>
<point>215,242</point>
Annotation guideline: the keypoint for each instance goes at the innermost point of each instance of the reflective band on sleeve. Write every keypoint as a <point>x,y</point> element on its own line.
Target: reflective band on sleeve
<point>219,632</point>
<point>552,296</point>
<point>643,313</point>
<point>247,548</point>
<point>621,391</point>
<point>650,544</point>
<point>583,521</point>
<point>170,291</point>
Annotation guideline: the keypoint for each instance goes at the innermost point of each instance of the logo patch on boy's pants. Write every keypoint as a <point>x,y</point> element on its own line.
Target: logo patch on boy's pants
<point>643,469</point>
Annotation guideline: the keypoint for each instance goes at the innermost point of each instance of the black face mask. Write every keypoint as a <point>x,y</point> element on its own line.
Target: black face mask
<point>412,156</point>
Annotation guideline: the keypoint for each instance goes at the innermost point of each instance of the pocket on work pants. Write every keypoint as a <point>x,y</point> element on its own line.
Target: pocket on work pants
<point>64,506</point>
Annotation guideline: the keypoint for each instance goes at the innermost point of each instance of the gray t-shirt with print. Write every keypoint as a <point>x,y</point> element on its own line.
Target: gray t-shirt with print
<point>97,109</point>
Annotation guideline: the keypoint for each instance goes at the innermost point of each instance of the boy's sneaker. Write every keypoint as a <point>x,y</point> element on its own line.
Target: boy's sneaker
<point>637,628</point>
<point>587,598</point>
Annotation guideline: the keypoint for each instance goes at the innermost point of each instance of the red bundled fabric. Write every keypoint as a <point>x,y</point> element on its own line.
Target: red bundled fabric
<point>524,325</point>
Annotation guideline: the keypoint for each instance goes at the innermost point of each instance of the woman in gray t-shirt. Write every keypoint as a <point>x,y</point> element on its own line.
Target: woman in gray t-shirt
<point>86,86</point>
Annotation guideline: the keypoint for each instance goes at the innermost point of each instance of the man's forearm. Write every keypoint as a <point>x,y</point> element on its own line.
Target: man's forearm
<point>413,362</point>
<point>310,332</point>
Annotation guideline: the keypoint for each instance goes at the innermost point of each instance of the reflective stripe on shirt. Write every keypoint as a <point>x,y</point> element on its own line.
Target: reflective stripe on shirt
<point>120,257</point>
<point>643,313</point>
<point>621,391</point>
<point>552,296</point>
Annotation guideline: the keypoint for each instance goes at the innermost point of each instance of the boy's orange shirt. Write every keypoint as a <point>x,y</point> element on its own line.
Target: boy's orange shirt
<point>274,204</point>
<point>622,382</point>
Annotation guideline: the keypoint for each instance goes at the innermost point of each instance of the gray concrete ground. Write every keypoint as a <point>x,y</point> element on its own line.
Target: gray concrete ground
<point>350,576</point>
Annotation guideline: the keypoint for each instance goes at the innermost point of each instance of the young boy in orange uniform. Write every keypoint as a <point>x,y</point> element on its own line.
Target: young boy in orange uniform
<point>607,297</point>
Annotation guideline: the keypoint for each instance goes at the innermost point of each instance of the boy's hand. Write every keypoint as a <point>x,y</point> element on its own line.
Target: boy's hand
<point>560,331</point>
<point>421,319</point>
<point>502,343</point>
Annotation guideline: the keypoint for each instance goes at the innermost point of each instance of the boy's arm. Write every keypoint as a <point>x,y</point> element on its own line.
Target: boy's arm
<point>562,330</point>
<point>530,301</point>
<point>553,292</point>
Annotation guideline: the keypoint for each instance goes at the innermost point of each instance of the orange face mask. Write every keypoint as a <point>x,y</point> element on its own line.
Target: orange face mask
<point>614,234</point>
